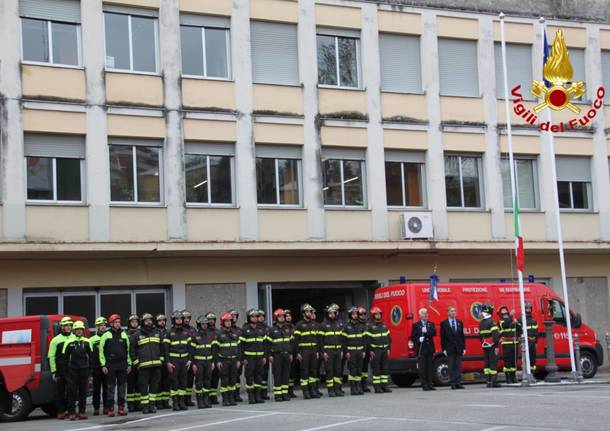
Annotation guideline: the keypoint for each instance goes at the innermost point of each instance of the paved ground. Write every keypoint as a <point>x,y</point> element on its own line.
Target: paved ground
<point>576,407</point>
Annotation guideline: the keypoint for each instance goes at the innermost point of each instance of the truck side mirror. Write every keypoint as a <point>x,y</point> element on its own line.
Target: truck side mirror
<point>576,320</point>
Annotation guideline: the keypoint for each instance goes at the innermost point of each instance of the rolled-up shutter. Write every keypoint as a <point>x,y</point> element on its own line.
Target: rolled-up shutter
<point>278,151</point>
<point>606,75</point>
<point>204,21</point>
<point>53,10</point>
<point>137,142</point>
<point>577,59</point>
<point>400,63</point>
<point>519,66</point>
<point>458,72</point>
<point>405,156</point>
<point>343,153</point>
<point>573,168</point>
<point>62,146</point>
<point>274,53</point>
<point>209,149</point>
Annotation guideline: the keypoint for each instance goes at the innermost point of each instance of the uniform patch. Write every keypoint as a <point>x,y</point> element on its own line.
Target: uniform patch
<point>476,310</point>
<point>396,315</point>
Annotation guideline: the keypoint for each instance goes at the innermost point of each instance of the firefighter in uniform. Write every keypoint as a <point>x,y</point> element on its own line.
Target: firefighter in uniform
<point>99,378</point>
<point>378,344</point>
<point>190,375</point>
<point>364,376</point>
<point>162,398</point>
<point>280,341</point>
<point>262,323</point>
<point>532,335</point>
<point>510,332</point>
<point>227,351</point>
<point>354,350</point>
<point>317,371</point>
<point>332,342</point>
<point>254,352</point>
<point>78,360</point>
<point>177,354</point>
<point>490,338</point>
<point>115,362</point>
<point>294,365</point>
<point>133,396</point>
<point>204,361</point>
<point>306,343</point>
<point>234,318</point>
<point>147,355</point>
<point>212,329</point>
<point>56,363</point>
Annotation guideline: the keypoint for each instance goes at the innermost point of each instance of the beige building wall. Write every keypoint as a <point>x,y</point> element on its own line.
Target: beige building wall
<point>129,89</point>
<point>138,224</point>
<point>210,94</point>
<point>53,82</point>
<point>212,224</point>
<point>469,226</point>
<point>282,224</point>
<point>278,99</point>
<point>411,106</point>
<point>57,223</point>
<point>344,225</point>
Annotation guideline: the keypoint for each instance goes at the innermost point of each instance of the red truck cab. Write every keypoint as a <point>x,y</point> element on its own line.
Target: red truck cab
<point>401,303</point>
<point>25,375</point>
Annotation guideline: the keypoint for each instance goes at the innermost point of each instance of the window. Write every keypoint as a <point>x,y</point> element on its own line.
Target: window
<point>458,72</point>
<point>205,46</point>
<point>278,175</point>
<point>463,182</point>
<point>80,305</point>
<point>135,173</point>
<point>274,53</point>
<point>43,304</point>
<point>526,183</point>
<point>574,182</point>
<point>577,59</point>
<point>400,63</point>
<point>519,65</point>
<point>131,42</point>
<point>404,178</point>
<point>54,167</point>
<point>338,60</point>
<point>606,74</point>
<point>343,177</point>
<point>209,173</point>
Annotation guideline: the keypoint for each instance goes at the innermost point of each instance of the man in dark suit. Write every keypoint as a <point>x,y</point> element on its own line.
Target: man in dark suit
<point>453,343</point>
<point>422,335</point>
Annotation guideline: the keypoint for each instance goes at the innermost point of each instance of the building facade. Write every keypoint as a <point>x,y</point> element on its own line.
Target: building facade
<point>162,154</point>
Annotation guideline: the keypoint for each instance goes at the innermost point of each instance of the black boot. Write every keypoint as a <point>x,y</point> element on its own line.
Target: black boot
<point>339,390</point>
<point>213,399</point>
<point>131,406</point>
<point>364,385</point>
<point>494,381</point>
<point>317,389</point>
<point>199,401</point>
<point>378,389</point>
<point>152,408</point>
<point>264,394</point>
<point>385,388</point>
<point>237,396</point>
<point>231,396</point>
<point>225,399</point>
<point>251,397</point>
<point>145,409</point>
<point>286,397</point>
<point>175,403</point>
<point>331,392</point>
<point>182,401</point>
<point>352,388</point>
<point>291,393</point>
<point>258,396</point>
<point>306,393</point>
<point>206,401</point>
<point>278,398</point>
<point>188,400</point>
<point>313,391</point>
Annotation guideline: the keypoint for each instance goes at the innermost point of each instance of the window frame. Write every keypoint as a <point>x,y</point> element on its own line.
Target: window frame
<point>210,204</point>
<point>422,179</point>
<point>278,204</point>
<point>51,63</point>
<point>134,172</point>
<point>589,189</point>
<point>364,205</point>
<point>536,182</point>
<point>479,159</point>
<point>55,201</point>
<point>204,52</point>
<point>129,16</point>
<point>359,84</point>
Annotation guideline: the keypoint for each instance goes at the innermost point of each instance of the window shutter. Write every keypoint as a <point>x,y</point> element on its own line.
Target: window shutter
<point>138,142</point>
<point>458,72</point>
<point>577,59</point>
<point>204,21</point>
<point>331,31</point>
<point>126,10</point>
<point>209,148</point>
<point>274,53</point>
<point>606,74</point>
<point>343,153</point>
<point>62,146</point>
<point>278,151</point>
<point>519,66</point>
<point>405,156</point>
<point>573,168</point>
<point>53,10</point>
<point>400,63</point>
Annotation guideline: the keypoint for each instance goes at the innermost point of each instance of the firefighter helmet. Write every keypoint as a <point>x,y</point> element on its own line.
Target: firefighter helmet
<point>147,316</point>
<point>487,308</point>
<point>352,309</point>
<point>502,307</point>
<point>186,313</point>
<point>332,308</point>
<point>134,317</point>
<point>201,319</point>
<point>210,316</point>
<point>161,317</point>
<point>287,311</point>
<point>225,316</point>
<point>375,310</point>
<point>66,321</point>
<point>252,312</point>
<point>113,317</point>
<point>234,312</point>
<point>362,310</point>
<point>307,307</point>
<point>78,325</point>
<point>279,312</point>
<point>261,312</point>
<point>176,315</point>
<point>100,321</point>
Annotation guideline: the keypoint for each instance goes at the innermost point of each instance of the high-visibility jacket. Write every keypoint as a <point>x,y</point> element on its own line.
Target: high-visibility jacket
<point>55,356</point>
<point>510,331</point>
<point>280,339</point>
<point>114,349</point>
<point>532,329</point>
<point>146,348</point>
<point>488,333</point>
<point>95,348</point>
<point>227,345</point>
<point>332,337</point>
<point>377,336</point>
<point>306,336</point>
<point>354,332</point>
<point>253,341</point>
<point>177,344</point>
<point>77,353</point>
<point>201,345</point>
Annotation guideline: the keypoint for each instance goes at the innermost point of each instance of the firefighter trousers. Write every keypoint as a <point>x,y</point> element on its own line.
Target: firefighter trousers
<point>148,384</point>
<point>379,366</point>
<point>253,372</point>
<point>531,346</point>
<point>178,377</point>
<point>228,374</point>
<point>490,359</point>
<point>281,373</point>
<point>294,373</point>
<point>116,381</point>
<point>365,368</point>
<point>308,368</point>
<point>509,356</point>
<point>190,381</point>
<point>215,381</point>
<point>354,365</point>
<point>99,387</point>
<point>164,385</point>
<point>203,377</point>
<point>77,380</point>
<point>133,395</point>
<point>61,394</point>
<point>332,367</point>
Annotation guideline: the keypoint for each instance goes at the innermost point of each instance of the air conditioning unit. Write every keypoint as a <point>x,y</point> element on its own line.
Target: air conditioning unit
<point>414,225</point>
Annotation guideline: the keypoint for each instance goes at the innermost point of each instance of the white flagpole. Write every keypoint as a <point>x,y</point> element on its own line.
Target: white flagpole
<point>562,264</point>
<point>515,197</point>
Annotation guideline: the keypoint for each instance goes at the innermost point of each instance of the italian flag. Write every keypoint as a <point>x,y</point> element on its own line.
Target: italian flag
<point>520,253</point>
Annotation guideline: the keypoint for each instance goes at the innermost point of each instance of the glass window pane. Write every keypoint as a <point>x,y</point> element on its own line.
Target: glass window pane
<point>348,62</point>
<point>265,181</point>
<point>153,303</point>
<point>121,173</point>
<point>352,182</point>
<point>116,303</point>
<point>332,182</point>
<point>147,164</point>
<point>563,188</point>
<point>35,305</point>
<point>40,178</point>
<point>525,181</point>
<point>393,183</point>
<point>327,60</point>
<point>452,181</point>
<point>216,52</point>
<point>192,50</point>
<point>35,40</point>
<point>81,305</point>
<point>288,171</point>
<point>143,40</point>
<point>413,186</point>
<point>65,43</point>
<point>579,195</point>
<point>220,174</point>
<point>68,179</point>
<point>506,188</point>
<point>470,179</point>
<point>117,41</point>
<point>196,173</point>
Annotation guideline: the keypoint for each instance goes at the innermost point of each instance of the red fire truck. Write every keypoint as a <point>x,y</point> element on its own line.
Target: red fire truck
<point>400,305</point>
<point>25,376</point>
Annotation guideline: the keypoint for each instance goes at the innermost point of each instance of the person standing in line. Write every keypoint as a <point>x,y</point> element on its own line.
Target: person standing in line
<point>56,363</point>
<point>116,363</point>
<point>453,343</point>
<point>422,335</point>
<point>99,378</point>
<point>78,361</point>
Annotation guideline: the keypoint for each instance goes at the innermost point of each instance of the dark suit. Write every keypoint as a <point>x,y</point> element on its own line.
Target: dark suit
<point>454,343</point>
<point>425,350</point>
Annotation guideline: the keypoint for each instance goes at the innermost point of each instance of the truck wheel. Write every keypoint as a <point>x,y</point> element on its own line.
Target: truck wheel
<point>404,380</point>
<point>49,409</point>
<point>588,364</point>
<point>440,371</point>
<point>21,407</point>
